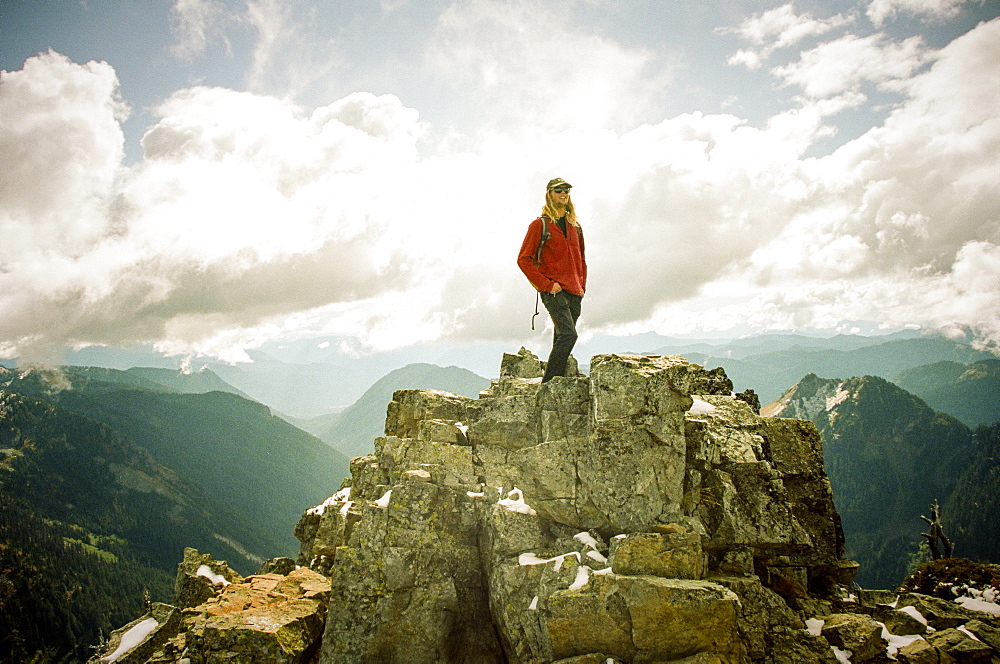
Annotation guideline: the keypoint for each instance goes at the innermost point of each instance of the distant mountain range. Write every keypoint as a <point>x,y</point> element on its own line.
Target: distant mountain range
<point>309,378</point>
<point>970,392</point>
<point>769,364</point>
<point>353,432</point>
<point>889,456</point>
<point>234,448</point>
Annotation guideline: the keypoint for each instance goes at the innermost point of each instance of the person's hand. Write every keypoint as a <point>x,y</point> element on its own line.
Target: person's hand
<point>555,288</point>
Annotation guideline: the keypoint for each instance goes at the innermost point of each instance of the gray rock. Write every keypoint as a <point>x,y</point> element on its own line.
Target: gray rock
<point>797,646</point>
<point>857,633</point>
<point>279,566</point>
<point>524,364</point>
<point>504,536</point>
<point>988,634</point>
<point>898,622</point>
<point>200,577</point>
<point>266,618</point>
<point>919,652</point>
<point>960,647</point>
<point>939,613</point>
<point>409,407</point>
<point>673,555</point>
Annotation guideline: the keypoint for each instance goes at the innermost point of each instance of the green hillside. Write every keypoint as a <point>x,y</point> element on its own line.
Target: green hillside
<point>196,382</point>
<point>970,392</point>
<point>253,463</point>
<point>972,512</point>
<point>888,456</point>
<point>88,521</point>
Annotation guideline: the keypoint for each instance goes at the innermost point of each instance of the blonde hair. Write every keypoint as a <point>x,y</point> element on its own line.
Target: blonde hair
<point>549,210</point>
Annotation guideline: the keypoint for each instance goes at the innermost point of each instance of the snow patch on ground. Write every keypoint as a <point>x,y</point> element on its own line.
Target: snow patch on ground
<point>699,407</point>
<point>215,578</point>
<point>896,642</point>
<point>134,637</point>
<point>531,559</point>
<point>515,502</point>
<point>590,542</point>
<point>981,600</point>
<point>582,577</point>
<point>843,656</point>
<point>914,613</point>
<point>837,398</point>
<point>339,497</point>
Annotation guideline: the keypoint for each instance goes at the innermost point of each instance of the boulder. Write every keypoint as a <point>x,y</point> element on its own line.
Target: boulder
<point>409,407</point>
<point>200,577</point>
<point>265,618</point>
<point>960,646</point>
<point>939,613</point>
<point>136,642</point>
<point>497,541</point>
<point>670,555</point>
<point>280,566</point>
<point>856,633</point>
<point>919,652</point>
<point>988,634</point>
<point>900,623</point>
<point>524,364</point>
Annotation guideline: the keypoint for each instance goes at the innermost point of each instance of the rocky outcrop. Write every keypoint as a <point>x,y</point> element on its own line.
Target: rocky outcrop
<point>222,617</point>
<point>638,514</point>
<point>642,514</point>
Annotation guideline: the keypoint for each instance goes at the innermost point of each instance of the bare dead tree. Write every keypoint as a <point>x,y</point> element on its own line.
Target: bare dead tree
<point>940,545</point>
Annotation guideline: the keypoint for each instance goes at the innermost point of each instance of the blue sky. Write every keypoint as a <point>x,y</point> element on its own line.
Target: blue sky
<point>207,176</point>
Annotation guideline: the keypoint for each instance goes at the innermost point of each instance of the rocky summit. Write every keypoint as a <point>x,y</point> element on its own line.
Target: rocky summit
<point>642,514</point>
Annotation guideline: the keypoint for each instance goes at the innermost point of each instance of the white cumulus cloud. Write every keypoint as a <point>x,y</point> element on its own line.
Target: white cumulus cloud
<point>880,10</point>
<point>775,29</point>
<point>250,217</point>
<point>844,64</point>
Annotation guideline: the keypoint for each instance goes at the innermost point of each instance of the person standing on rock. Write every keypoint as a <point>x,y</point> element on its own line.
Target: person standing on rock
<point>552,258</point>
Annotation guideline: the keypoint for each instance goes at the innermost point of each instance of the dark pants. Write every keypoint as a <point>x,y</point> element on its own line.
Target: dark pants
<point>564,308</point>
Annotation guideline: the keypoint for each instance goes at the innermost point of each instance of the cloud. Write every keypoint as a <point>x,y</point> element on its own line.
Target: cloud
<point>775,29</point>
<point>250,217</point>
<point>522,63</point>
<point>243,210</point>
<point>193,22</point>
<point>880,10</point>
<point>903,211</point>
<point>291,52</point>
<point>844,64</point>
<point>61,146</point>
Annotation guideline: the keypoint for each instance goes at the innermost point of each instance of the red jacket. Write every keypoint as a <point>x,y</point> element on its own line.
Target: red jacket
<point>563,260</point>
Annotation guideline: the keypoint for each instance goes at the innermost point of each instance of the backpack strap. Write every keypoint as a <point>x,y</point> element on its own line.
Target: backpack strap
<point>543,239</point>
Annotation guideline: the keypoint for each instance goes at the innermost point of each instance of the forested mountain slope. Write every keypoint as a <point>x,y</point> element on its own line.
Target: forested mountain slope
<point>889,456</point>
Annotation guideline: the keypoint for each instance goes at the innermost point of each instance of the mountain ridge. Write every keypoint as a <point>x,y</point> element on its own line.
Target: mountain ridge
<point>236,448</point>
<point>888,455</point>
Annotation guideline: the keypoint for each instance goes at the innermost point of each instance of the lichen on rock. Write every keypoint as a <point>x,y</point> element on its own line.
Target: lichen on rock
<point>584,515</point>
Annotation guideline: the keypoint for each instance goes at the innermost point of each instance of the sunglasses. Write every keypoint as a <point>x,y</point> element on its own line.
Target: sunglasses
<point>561,190</point>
